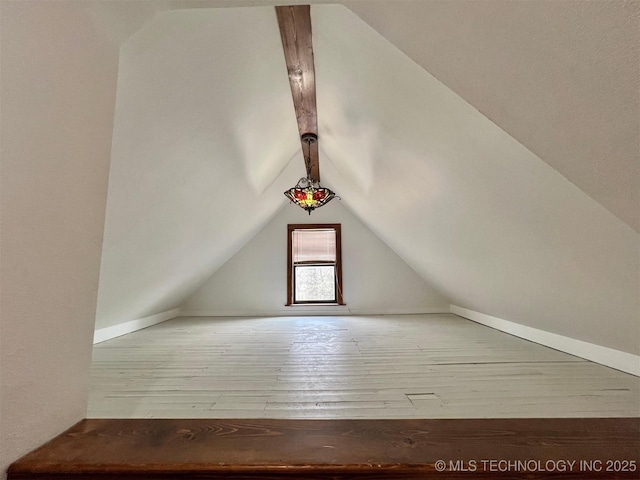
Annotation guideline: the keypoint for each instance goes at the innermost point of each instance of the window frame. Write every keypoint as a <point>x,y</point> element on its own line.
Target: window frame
<point>291,268</point>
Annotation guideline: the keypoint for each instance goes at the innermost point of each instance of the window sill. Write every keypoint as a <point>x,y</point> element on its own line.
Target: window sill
<point>314,305</point>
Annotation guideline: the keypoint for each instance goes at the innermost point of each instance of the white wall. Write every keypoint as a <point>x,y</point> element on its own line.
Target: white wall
<point>375,279</point>
<point>204,129</point>
<point>198,161</point>
<point>57,91</point>
<point>561,77</point>
<point>473,211</point>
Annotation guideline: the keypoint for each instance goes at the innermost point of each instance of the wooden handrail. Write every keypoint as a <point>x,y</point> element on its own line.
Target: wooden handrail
<point>381,449</point>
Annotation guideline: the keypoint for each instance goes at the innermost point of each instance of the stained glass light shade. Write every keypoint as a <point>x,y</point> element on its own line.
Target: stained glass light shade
<point>309,195</point>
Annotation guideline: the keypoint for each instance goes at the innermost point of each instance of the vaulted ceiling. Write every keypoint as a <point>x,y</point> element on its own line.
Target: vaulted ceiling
<point>493,146</point>
<point>562,78</point>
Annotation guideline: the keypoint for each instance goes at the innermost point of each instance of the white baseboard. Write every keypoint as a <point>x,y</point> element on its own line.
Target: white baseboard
<point>623,361</point>
<point>312,310</point>
<point>400,311</point>
<point>290,312</point>
<point>107,333</point>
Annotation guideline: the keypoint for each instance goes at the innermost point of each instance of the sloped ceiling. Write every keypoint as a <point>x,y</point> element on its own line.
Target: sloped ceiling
<point>471,209</point>
<point>561,77</point>
<point>203,128</point>
<point>204,137</point>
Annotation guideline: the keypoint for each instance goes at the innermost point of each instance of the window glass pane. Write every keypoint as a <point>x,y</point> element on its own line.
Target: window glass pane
<point>314,245</point>
<point>315,283</point>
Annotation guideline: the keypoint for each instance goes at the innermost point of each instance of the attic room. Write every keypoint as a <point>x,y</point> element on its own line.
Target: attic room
<point>486,160</point>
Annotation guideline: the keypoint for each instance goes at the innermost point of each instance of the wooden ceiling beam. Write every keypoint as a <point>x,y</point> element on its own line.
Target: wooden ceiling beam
<point>295,31</point>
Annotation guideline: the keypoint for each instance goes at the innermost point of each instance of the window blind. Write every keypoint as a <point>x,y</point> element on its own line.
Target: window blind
<point>314,245</point>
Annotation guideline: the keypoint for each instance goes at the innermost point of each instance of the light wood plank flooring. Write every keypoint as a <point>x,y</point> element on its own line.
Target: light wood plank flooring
<point>407,366</point>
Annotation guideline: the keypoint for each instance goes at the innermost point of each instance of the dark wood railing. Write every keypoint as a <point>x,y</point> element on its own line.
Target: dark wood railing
<point>338,449</point>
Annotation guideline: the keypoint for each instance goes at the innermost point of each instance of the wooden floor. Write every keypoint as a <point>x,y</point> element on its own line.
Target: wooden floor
<point>421,366</point>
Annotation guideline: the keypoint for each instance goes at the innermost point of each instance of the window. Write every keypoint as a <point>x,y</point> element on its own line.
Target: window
<point>314,266</point>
